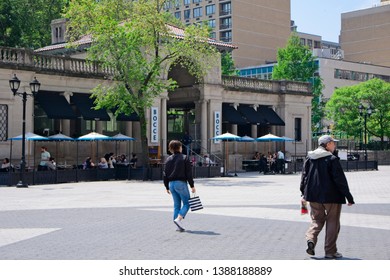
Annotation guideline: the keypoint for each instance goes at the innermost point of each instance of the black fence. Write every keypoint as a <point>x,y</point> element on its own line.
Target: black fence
<point>11,178</point>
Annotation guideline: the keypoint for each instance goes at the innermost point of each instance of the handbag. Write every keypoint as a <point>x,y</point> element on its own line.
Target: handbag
<point>195,203</point>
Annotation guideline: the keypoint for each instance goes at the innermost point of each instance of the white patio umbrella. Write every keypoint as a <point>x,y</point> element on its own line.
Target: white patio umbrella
<point>93,136</point>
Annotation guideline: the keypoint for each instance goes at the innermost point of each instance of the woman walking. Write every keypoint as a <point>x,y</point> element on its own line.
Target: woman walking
<point>177,173</point>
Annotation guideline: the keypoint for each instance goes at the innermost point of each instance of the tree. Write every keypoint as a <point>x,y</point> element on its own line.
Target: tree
<point>26,23</point>
<point>227,65</point>
<point>296,62</point>
<point>134,39</point>
<point>343,106</point>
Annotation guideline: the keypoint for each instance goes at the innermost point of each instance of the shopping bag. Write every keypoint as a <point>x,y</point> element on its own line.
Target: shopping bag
<point>195,203</point>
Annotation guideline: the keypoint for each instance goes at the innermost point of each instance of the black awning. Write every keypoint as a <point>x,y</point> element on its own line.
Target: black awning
<point>86,107</point>
<point>253,116</point>
<point>262,116</point>
<point>231,115</point>
<point>55,105</point>
<point>133,117</point>
<point>271,116</point>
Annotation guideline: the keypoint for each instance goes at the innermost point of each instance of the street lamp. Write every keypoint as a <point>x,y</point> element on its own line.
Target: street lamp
<point>365,112</point>
<point>14,84</point>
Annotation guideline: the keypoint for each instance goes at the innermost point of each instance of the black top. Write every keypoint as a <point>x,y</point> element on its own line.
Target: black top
<point>323,181</point>
<point>178,168</point>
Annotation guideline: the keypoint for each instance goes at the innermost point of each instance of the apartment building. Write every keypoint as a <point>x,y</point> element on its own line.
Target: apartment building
<point>365,35</point>
<point>257,27</point>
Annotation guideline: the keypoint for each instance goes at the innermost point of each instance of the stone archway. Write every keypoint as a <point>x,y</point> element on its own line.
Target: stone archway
<point>181,105</point>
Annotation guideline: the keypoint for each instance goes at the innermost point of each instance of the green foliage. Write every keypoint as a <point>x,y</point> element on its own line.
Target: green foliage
<point>227,64</point>
<point>135,39</point>
<point>26,23</point>
<point>296,63</point>
<point>342,108</point>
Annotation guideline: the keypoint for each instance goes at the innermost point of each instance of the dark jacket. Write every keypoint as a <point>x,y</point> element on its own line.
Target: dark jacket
<point>323,179</point>
<point>178,168</point>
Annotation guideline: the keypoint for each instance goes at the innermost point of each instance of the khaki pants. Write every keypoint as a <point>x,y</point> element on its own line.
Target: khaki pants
<point>328,213</point>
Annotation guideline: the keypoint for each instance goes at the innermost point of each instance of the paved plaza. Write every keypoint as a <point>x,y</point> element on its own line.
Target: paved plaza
<point>248,217</point>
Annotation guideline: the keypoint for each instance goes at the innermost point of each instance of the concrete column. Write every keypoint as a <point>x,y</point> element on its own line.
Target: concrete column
<point>65,124</point>
<point>129,132</point>
<point>204,124</point>
<point>99,126</point>
<point>254,131</point>
<point>163,131</point>
<point>235,131</point>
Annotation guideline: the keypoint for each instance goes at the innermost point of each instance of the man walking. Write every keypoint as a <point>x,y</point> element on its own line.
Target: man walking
<point>325,187</point>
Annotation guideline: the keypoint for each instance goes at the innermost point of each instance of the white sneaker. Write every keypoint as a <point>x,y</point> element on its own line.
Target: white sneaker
<point>179,224</point>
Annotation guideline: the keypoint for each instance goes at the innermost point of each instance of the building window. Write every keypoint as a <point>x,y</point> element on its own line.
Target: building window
<point>187,2</point>
<point>226,36</point>
<point>3,122</point>
<point>212,23</point>
<point>210,9</point>
<point>213,35</point>
<point>303,41</point>
<point>196,1</point>
<point>225,9</point>
<point>310,43</point>
<point>226,23</point>
<point>197,12</point>
<point>187,14</point>
<point>167,5</point>
<point>298,129</point>
<point>177,3</point>
<point>178,15</point>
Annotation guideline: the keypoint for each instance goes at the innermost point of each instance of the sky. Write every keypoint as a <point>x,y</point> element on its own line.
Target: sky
<point>323,17</point>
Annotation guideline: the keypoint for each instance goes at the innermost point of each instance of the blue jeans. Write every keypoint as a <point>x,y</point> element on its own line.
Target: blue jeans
<point>180,194</point>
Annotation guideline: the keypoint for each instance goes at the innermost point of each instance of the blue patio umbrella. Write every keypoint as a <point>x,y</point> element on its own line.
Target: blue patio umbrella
<point>29,136</point>
<point>226,137</point>
<point>59,137</point>
<point>121,137</point>
<point>246,139</point>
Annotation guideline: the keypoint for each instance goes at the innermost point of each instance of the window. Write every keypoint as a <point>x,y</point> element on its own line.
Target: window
<point>187,14</point>
<point>226,36</point>
<point>310,43</point>
<point>197,12</point>
<point>167,5</point>
<point>186,2</point>
<point>213,35</point>
<point>3,122</point>
<point>177,3</point>
<point>226,23</point>
<point>211,23</point>
<point>178,15</point>
<point>225,9</point>
<point>210,9</point>
<point>303,41</point>
<point>298,129</point>
<point>196,1</point>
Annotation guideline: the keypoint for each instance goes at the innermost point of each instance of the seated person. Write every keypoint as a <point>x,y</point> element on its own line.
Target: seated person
<point>103,163</point>
<point>51,164</point>
<point>256,156</point>
<point>133,161</point>
<point>88,164</point>
<point>207,161</point>
<point>6,165</point>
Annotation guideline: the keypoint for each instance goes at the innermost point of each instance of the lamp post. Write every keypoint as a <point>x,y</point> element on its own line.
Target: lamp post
<point>14,84</point>
<point>365,112</point>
